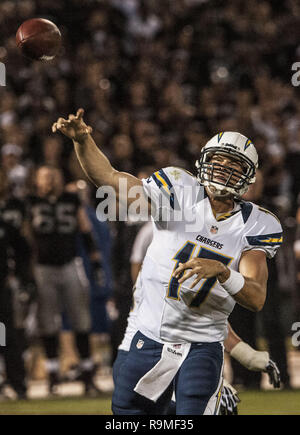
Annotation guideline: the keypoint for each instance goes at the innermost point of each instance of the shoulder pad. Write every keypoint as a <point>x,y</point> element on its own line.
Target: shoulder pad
<point>175,176</point>
<point>264,210</point>
<point>264,230</point>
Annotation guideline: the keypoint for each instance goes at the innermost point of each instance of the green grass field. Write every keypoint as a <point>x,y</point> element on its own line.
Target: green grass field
<point>252,403</point>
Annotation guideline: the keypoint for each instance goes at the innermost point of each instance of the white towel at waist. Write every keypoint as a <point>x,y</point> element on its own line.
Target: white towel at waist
<point>157,380</point>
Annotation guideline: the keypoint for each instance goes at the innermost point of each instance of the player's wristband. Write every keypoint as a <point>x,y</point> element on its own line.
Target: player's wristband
<point>251,359</point>
<point>234,283</point>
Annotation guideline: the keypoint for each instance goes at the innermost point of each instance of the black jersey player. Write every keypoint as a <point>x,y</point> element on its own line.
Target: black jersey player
<point>12,241</point>
<point>17,292</point>
<point>13,211</point>
<point>56,218</point>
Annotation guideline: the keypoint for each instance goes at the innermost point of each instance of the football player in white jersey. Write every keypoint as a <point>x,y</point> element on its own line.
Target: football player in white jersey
<point>224,242</point>
<point>247,356</point>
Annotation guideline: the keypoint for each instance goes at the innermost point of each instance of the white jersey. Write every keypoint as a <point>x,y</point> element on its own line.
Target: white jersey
<point>141,243</point>
<point>168,311</point>
<point>132,328</point>
<point>139,249</point>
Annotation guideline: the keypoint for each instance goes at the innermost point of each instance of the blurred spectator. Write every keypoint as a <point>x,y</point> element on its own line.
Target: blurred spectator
<point>52,150</point>
<point>296,249</point>
<point>122,148</point>
<point>16,172</point>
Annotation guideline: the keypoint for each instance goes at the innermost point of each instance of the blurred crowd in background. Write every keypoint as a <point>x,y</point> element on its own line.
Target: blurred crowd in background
<point>157,79</point>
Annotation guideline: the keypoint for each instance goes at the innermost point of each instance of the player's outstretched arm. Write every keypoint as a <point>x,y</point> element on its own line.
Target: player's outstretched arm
<point>93,162</point>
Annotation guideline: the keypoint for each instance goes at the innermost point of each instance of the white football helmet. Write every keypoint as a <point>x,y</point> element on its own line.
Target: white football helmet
<point>220,179</point>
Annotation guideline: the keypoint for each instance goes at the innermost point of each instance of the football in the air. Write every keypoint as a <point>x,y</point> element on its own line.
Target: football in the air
<point>38,39</point>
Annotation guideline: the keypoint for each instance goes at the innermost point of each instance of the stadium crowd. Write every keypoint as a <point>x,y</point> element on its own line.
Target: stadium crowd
<point>157,79</point>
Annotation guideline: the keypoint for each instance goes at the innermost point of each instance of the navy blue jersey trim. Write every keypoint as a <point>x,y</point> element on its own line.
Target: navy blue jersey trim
<point>202,194</point>
<point>246,209</point>
<point>274,239</point>
<point>165,177</point>
<point>160,185</point>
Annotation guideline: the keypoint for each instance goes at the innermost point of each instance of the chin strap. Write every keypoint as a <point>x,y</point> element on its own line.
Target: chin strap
<point>214,191</point>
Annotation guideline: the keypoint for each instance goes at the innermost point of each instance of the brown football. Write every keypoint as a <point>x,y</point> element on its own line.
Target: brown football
<point>39,39</point>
